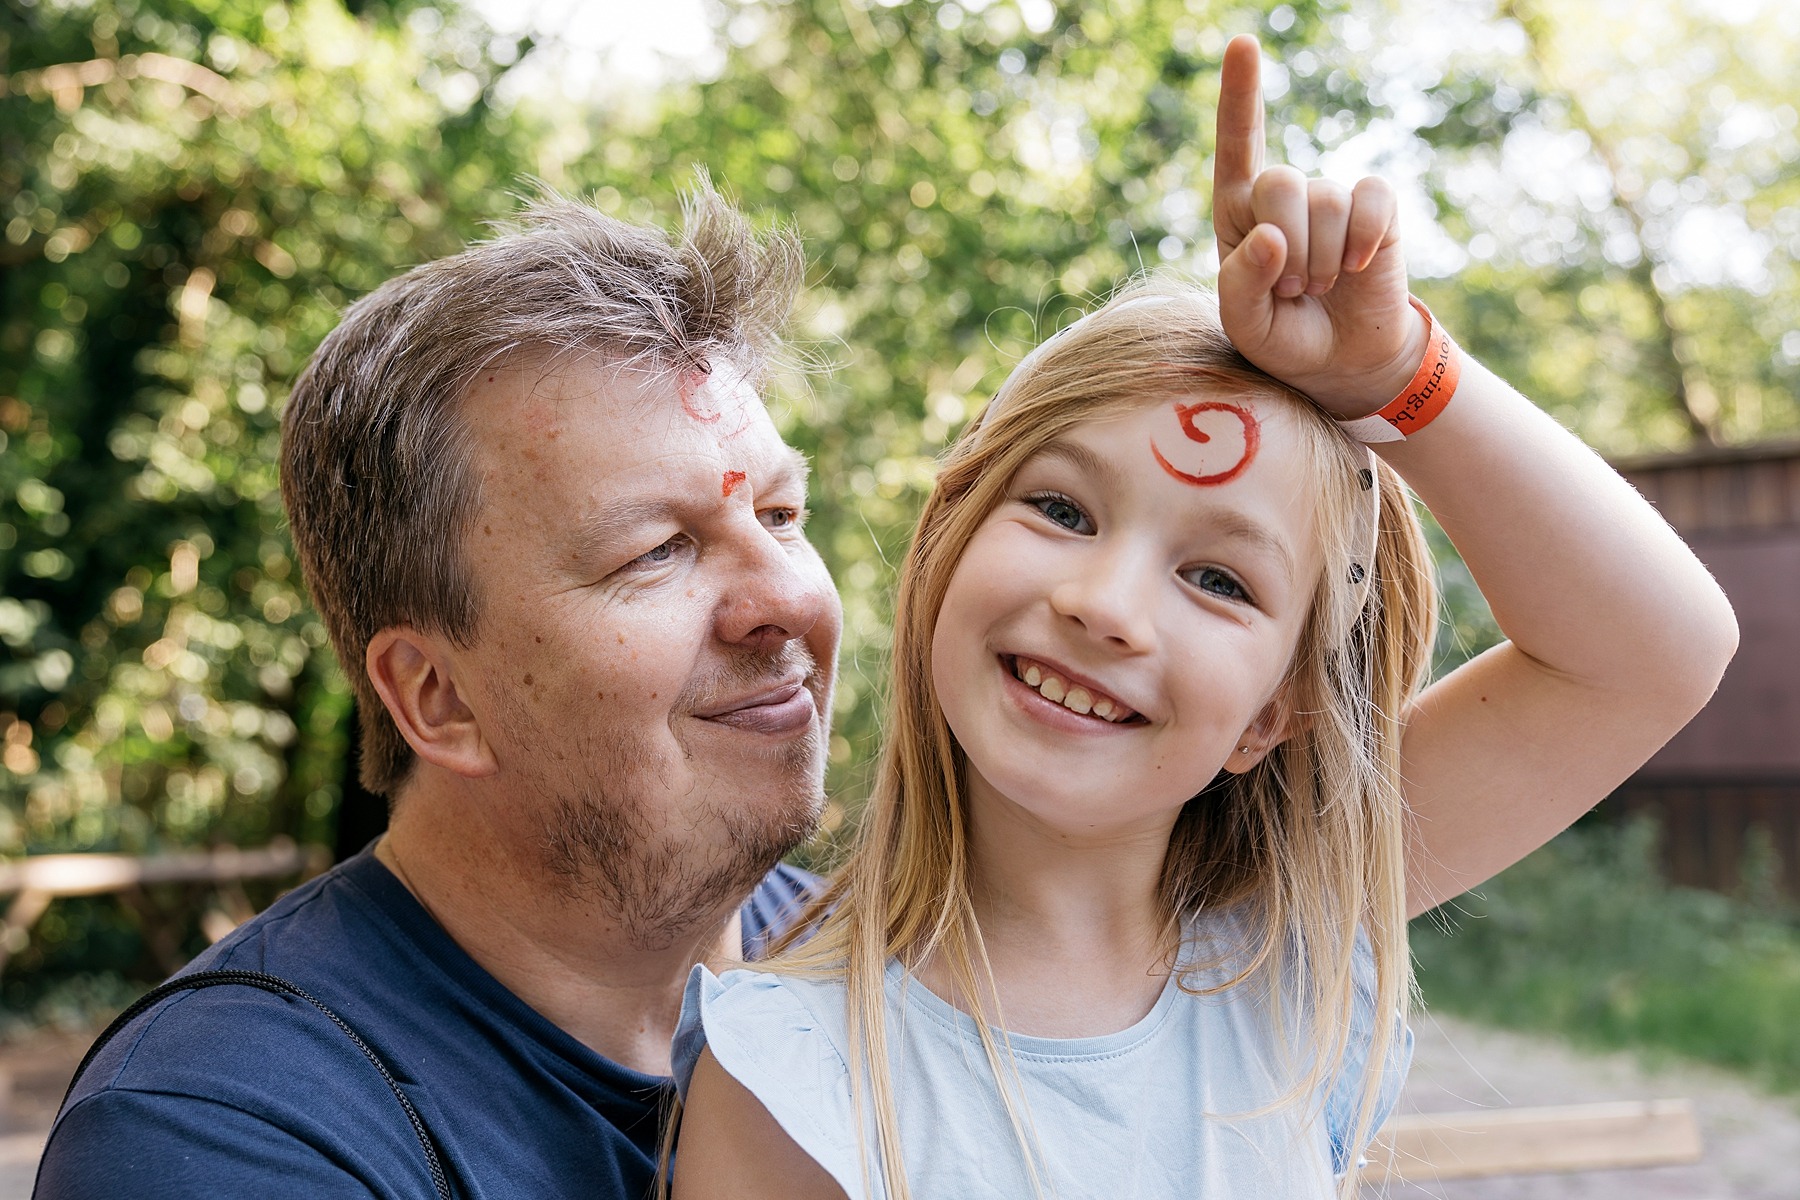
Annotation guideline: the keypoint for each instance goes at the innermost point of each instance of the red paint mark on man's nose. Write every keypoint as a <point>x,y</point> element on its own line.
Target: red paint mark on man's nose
<point>1185,413</point>
<point>732,479</point>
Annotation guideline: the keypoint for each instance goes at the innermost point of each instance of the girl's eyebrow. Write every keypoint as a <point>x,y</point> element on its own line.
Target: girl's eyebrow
<point>1083,460</point>
<point>1235,526</point>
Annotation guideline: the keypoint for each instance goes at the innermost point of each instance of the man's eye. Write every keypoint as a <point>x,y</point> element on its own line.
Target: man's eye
<point>1061,511</point>
<point>1216,582</point>
<point>660,554</point>
<point>784,518</point>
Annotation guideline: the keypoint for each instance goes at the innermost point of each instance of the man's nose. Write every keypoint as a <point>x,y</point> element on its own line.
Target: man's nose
<point>778,591</point>
<point>1112,599</point>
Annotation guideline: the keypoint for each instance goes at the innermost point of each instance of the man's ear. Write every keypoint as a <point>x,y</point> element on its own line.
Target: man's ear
<point>1274,723</point>
<point>412,673</point>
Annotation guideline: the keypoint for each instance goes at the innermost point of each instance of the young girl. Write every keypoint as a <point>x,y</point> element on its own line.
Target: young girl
<point>1127,915</point>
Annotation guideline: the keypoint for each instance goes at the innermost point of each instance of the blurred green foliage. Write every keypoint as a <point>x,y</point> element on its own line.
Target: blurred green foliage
<point>190,193</point>
<point>191,190</point>
<point>1585,940</point>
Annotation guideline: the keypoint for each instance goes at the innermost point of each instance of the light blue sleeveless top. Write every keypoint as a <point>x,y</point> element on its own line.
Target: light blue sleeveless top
<point>1154,1112</point>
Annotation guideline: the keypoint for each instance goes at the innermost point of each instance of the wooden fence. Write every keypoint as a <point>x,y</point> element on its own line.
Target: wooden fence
<point>1736,768</point>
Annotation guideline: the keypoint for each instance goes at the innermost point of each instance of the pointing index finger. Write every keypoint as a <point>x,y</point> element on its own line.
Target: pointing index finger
<point>1238,153</point>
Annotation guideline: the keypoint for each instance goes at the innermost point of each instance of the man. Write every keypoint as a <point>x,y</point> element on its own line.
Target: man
<point>557,541</point>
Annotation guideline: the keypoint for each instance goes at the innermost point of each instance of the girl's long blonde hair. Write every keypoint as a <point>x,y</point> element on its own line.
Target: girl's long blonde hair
<point>1307,844</point>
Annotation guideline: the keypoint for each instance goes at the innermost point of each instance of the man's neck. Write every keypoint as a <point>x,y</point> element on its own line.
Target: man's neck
<point>567,957</point>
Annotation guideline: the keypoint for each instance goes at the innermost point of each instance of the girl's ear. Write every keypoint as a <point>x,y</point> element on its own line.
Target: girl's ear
<point>1274,723</point>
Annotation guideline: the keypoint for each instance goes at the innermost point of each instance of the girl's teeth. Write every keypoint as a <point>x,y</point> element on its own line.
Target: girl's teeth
<point>1076,699</point>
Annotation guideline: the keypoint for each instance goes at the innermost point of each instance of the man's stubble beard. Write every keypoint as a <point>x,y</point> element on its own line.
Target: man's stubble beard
<point>602,841</point>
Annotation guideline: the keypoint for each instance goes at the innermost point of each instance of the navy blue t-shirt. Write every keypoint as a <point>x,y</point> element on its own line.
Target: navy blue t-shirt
<point>236,1092</point>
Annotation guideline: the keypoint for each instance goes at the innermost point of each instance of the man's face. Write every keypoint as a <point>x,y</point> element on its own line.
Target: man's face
<point>657,640</point>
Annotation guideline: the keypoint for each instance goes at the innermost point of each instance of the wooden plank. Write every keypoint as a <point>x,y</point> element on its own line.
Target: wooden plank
<point>38,879</point>
<point>1766,496</point>
<point>1649,485</point>
<point>1516,1141</point>
<point>1722,498</point>
<point>96,874</point>
<point>1679,499</point>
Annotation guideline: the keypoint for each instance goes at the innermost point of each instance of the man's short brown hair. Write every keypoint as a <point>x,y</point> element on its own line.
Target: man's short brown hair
<point>376,456</point>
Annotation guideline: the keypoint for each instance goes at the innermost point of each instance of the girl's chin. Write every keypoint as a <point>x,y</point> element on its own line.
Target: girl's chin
<point>1065,807</point>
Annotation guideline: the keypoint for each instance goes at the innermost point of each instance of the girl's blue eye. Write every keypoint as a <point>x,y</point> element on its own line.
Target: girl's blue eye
<point>1216,582</point>
<point>1062,511</point>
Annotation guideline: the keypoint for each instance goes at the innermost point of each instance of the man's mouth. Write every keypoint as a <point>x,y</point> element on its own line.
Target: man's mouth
<point>774,708</point>
<point>1082,698</point>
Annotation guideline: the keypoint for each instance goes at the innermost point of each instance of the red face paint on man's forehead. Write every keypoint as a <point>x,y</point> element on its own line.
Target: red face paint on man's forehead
<point>1221,441</point>
<point>730,482</point>
<point>724,399</point>
<point>688,384</point>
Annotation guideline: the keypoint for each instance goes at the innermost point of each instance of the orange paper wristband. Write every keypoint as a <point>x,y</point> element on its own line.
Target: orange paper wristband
<point>1419,403</point>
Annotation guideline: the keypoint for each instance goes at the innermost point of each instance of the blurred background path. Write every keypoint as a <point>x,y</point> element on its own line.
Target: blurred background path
<point>1752,1139</point>
<point>34,1071</point>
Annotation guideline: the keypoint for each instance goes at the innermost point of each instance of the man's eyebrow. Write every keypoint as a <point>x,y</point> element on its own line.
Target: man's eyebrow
<point>609,528</point>
<point>795,468</point>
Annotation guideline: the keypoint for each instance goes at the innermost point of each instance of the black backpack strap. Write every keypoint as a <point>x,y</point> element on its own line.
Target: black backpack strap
<point>273,983</point>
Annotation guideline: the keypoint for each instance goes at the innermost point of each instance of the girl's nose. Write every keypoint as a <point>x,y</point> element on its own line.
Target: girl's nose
<point>1113,602</point>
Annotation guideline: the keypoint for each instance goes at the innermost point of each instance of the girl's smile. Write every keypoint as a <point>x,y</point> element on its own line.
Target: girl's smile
<point>1064,699</point>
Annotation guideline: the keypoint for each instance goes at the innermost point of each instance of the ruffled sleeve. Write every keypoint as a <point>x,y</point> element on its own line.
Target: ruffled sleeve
<point>764,1032</point>
<point>1345,1096</point>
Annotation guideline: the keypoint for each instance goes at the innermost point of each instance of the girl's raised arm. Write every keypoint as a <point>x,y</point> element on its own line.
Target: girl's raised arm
<point>1617,633</point>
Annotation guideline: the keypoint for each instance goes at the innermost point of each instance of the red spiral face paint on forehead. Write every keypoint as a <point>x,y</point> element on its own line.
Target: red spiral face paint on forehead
<point>1184,416</point>
<point>730,482</point>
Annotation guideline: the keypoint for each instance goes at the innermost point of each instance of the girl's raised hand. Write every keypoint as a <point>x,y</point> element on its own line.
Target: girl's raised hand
<point>1312,283</point>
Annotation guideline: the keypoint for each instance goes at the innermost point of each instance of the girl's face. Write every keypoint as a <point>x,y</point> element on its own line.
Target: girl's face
<point>1123,620</point>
